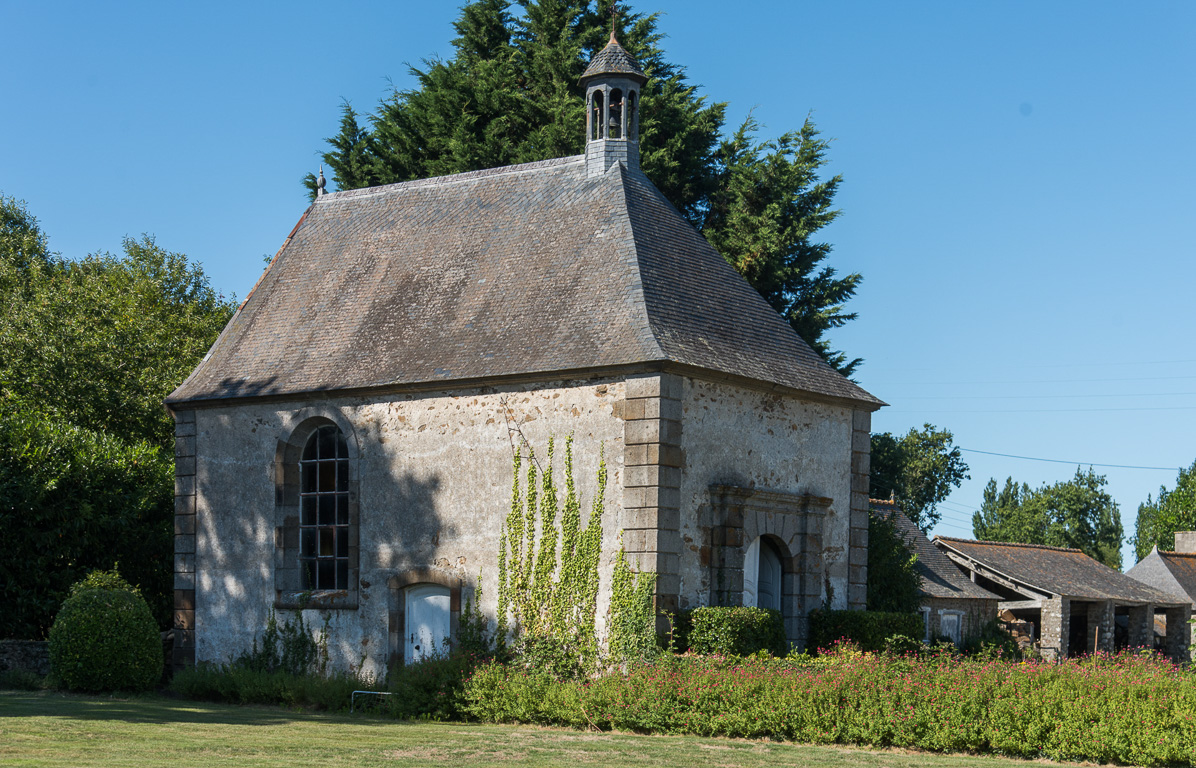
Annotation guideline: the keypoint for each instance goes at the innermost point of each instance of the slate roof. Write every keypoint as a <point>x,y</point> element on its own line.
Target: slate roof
<point>614,60</point>
<point>940,577</point>
<point>1056,571</point>
<point>525,270</point>
<point>1170,572</point>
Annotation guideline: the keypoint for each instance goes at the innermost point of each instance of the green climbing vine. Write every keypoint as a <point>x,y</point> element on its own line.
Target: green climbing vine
<point>548,570</point>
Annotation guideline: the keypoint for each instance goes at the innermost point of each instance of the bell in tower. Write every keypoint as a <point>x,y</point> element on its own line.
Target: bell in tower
<point>613,82</point>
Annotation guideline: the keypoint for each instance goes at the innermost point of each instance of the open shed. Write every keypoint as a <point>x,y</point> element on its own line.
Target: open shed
<point>1074,602</point>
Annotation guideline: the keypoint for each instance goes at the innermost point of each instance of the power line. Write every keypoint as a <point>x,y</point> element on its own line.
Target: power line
<point>1061,461</point>
<point>1039,397</point>
<point>1041,381</point>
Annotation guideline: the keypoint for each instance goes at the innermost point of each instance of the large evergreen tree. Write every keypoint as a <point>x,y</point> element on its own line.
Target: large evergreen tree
<point>510,94</point>
<point>1159,519</point>
<point>1076,513</point>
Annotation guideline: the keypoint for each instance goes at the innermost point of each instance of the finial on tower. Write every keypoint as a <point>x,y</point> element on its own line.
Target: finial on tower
<point>614,21</point>
<point>321,182</point>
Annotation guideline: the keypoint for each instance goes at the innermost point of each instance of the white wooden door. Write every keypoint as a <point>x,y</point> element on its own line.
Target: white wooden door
<point>427,622</point>
<point>751,572</point>
<point>768,586</point>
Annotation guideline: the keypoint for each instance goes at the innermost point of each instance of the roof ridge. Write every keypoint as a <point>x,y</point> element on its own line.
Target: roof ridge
<point>642,304</point>
<point>1010,544</point>
<point>452,178</point>
<point>1180,554</point>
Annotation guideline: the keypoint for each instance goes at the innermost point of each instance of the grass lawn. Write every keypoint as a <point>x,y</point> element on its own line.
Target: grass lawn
<point>65,730</point>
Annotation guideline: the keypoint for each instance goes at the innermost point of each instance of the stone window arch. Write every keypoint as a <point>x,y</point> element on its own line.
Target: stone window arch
<point>317,553</point>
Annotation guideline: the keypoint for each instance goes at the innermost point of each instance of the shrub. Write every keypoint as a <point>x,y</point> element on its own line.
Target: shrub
<point>20,679</point>
<point>869,629</point>
<point>104,638</point>
<point>432,689</point>
<point>738,631</point>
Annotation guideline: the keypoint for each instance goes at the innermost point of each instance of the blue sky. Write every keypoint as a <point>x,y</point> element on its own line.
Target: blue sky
<point>1018,181</point>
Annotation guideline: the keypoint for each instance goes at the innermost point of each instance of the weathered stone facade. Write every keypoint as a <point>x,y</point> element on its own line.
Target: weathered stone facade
<point>696,471</point>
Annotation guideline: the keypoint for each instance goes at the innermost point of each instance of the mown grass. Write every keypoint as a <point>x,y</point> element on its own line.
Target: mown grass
<point>54,729</point>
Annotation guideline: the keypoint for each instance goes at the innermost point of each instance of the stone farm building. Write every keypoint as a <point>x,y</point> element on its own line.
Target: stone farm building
<point>952,605</point>
<point>347,442</point>
<point>1075,604</point>
<point>1171,572</point>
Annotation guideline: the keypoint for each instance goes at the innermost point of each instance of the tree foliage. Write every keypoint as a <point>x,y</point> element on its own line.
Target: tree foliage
<point>1159,519</point>
<point>893,580</point>
<point>918,470</point>
<point>510,94</point>
<point>89,349</point>
<point>1076,513</point>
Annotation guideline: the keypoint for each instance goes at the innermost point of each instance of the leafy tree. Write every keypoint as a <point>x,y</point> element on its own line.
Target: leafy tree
<point>100,342</point>
<point>510,94</point>
<point>918,470</point>
<point>1174,510</point>
<point>893,580</point>
<point>1076,513</point>
<point>89,349</point>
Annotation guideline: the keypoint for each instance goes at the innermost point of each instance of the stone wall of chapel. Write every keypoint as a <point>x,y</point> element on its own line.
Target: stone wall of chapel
<point>434,479</point>
<point>739,437</point>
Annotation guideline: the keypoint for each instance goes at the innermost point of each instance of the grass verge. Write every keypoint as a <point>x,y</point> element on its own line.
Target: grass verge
<point>54,729</point>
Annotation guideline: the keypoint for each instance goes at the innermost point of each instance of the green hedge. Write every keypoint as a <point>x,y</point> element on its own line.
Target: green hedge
<point>1123,709</point>
<point>731,631</point>
<point>868,629</point>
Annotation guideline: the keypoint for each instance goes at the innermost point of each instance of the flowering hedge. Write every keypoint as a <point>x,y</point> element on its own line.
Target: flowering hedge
<point>1126,709</point>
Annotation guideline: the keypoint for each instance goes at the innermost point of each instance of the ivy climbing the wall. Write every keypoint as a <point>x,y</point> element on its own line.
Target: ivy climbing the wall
<point>548,575</point>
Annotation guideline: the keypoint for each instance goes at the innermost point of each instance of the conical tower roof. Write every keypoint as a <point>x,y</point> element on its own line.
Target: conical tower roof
<point>614,60</point>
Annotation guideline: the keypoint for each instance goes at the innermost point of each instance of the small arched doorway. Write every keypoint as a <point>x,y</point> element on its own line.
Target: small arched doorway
<point>763,576</point>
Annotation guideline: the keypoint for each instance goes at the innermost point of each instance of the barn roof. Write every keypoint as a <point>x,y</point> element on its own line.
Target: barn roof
<point>523,271</point>
<point>1055,571</point>
<point>1170,572</point>
<point>940,577</point>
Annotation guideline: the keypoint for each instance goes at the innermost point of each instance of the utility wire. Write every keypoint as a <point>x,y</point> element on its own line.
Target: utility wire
<point>1040,397</point>
<point>1061,461</point>
<point>1045,410</point>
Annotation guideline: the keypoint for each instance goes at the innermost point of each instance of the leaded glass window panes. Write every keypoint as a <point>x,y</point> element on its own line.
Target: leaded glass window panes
<point>324,510</point>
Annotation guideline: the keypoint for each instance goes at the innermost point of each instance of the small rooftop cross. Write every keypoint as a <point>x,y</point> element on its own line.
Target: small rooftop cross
<point>615,13</point>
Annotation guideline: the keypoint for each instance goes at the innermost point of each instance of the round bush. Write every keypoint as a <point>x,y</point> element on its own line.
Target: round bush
<point>105,639</point>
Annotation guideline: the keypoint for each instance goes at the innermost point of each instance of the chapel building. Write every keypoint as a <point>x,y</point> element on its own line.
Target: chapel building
<point>346,446</point>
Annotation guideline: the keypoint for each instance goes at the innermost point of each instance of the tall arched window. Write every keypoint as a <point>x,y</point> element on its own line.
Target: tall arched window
<point>324,511</point>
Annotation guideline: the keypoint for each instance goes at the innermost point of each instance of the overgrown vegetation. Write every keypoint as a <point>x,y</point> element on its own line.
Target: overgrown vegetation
<point>1127,709</point>
<point>548,578</point>
<point>868,629</point>
<point>89,349</point>
<point>894,584</point>
<point>104,638</point>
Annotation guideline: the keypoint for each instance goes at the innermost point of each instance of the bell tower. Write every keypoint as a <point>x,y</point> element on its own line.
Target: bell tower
<point>613,82</point>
